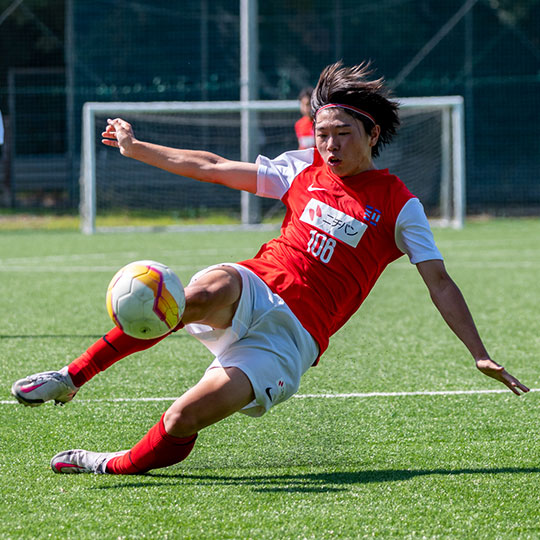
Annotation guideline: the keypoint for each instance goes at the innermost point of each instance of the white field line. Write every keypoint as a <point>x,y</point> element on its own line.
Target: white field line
<point>110,262</point>
<point>407,394</point>
<point>106,262</point>
<point>108,268</point>
<point>117,255</point>
<point>312,396</point>
<point>71,264</point>
<point>111,269</point>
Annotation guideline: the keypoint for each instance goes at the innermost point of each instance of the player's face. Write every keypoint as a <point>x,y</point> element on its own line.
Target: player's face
<point>343,142</point>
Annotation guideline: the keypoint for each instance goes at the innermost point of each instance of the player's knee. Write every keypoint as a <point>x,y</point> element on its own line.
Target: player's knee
<point>181,423</point>
<point>199,301</point>
<point>212,303</point>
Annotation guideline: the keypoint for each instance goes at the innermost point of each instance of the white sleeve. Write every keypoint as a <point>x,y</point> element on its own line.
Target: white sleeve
<point>1,129</point>
<point>275,176</point>
<point>413,233</point>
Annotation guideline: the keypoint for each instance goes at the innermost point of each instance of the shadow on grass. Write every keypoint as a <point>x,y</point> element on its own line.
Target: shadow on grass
<point>50,336</point>
<point>311,482</point>
<point>70,336</point>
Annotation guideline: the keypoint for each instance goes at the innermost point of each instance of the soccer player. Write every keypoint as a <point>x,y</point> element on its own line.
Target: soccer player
<point>303,127</point>
<point>269,318</point>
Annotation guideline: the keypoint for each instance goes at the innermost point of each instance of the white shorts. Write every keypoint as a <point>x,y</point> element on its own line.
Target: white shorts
<point>266,341</point>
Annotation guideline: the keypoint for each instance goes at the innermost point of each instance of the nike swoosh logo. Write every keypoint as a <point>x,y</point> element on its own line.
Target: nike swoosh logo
<point>30,388</point>
<point>267,390</point>
<point>60,466</point>
<point>313,188</point>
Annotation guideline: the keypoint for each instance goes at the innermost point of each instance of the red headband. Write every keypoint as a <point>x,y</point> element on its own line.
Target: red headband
<point>350,108</point>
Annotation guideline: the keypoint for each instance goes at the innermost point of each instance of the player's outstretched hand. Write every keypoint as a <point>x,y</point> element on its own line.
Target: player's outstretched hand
<point>495,371</point>
<point>119,134</point>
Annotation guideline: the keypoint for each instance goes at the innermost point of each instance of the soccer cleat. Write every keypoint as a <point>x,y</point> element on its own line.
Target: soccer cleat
<point>36,389</point>
<point>82,461</point>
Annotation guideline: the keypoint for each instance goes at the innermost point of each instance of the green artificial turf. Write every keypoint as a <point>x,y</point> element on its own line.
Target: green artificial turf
<point>326,464</point>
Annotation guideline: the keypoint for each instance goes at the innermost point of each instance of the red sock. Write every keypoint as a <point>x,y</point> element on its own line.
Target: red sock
<point>105,352</point>
<point>155,450</point>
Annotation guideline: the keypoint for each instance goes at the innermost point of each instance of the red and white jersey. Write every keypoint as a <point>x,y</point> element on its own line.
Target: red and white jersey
<point>336,239</point>
<point>304,132</point>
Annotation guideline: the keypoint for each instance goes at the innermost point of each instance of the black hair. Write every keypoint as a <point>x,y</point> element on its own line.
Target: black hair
<point>354,86</point>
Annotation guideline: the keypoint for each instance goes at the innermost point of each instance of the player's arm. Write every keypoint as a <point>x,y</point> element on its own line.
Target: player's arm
<point>199,165</point>
<point>452,306</point>
<point>414,237</point>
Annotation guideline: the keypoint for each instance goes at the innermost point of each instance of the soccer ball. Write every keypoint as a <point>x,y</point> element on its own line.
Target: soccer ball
<point>145,299</point>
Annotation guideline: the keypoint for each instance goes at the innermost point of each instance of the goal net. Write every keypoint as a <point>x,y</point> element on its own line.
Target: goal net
<point>427,154</point>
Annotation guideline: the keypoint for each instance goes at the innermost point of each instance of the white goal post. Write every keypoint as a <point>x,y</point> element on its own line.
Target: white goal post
<point>428,153</point>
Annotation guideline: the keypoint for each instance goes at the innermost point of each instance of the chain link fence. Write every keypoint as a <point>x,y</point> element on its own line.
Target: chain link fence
<point>58,54</point>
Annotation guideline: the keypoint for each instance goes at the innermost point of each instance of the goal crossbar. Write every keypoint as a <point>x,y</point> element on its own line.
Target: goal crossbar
<point>452,181</point>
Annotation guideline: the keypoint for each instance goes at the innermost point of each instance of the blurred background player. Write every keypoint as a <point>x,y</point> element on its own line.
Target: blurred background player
<point>304,125</point>
<point>269,319</point>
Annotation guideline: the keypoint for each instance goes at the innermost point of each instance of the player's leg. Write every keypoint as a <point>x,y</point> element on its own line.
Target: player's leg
<point>62,385</point>
<point>220,393</point>
<point>251,374</point>
<point>212,299</point>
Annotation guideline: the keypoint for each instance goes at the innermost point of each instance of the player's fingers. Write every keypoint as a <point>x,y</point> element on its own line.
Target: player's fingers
<point>110,142</point>
<point>118,122</point>
<point>514,385</point>
<point>513,388</point>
